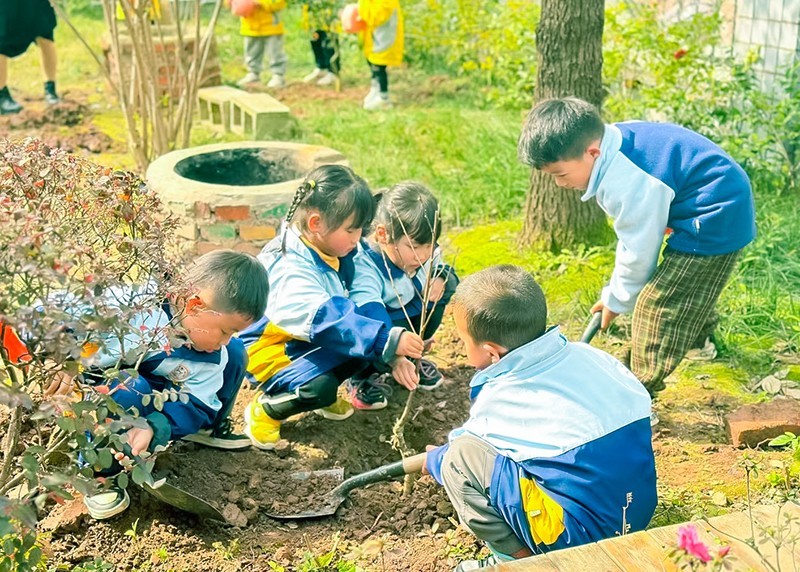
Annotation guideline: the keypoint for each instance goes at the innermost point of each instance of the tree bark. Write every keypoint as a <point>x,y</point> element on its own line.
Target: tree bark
<point>569,41</point>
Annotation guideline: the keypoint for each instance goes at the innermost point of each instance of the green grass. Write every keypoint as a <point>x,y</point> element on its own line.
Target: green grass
<point>443,134</point>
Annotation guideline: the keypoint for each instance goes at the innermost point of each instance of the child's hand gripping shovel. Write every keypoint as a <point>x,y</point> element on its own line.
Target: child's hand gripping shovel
<point>592,328</point>
<point>329,502</point>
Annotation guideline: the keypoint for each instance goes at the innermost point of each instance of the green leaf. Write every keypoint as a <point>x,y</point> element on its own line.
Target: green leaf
<point>184,397</point>
<point>158,401</point>
<point>105,458</point>
<point>122,480</point>
<point>781,440</point>
<point>90,456</point>
<point>139,475</point>
<point>30,463</point>
<point>146,400</point>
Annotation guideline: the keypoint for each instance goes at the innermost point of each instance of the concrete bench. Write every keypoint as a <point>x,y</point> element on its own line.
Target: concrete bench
<point>258,116</point>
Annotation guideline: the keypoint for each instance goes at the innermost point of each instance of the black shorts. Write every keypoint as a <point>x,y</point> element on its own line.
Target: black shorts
<point>21,22</point>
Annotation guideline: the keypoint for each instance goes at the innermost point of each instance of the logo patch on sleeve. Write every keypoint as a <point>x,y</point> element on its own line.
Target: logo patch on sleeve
<point>179,374</point>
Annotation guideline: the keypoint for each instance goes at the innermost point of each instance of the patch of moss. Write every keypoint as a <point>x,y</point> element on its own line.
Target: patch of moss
<point>572,280</point>
<point>794,373</point>
<point>693,380</point>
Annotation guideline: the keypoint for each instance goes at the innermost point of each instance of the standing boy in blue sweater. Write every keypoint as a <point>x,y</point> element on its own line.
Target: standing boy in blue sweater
<point>651,178</point>
<point>557,448</point>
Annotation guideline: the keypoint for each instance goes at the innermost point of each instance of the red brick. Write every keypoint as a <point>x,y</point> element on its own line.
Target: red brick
<point>248,247</point>
<point>202,210</point>
<point>755,424</point>
<point>256,232</point>
<point>202,248</point>
<point>239,212</point>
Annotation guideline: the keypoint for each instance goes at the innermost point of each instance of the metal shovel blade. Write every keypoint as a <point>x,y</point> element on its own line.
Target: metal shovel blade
<point>179,498</point>
<point>328,503</point>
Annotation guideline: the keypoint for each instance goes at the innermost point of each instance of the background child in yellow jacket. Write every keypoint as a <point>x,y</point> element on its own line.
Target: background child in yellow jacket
<point>383,46</point>
<point>263,32</point>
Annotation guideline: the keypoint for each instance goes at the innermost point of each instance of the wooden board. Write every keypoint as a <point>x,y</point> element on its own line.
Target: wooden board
<point>638,551</point>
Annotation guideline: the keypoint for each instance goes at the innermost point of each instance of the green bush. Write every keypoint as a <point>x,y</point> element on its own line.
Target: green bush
<point>684,72</point>
<point>492,42</point>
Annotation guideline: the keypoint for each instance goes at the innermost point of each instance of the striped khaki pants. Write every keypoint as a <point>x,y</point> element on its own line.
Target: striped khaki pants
<point>674,310</point>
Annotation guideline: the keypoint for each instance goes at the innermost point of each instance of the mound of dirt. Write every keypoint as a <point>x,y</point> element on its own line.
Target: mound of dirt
<point>375,525</point>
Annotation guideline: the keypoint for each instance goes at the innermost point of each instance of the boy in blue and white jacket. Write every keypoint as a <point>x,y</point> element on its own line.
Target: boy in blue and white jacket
<point>652,179</point>
<point>557,448</point>
<point>228,292</point>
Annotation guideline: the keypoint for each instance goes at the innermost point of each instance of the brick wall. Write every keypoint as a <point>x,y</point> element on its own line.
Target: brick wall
<point>229,226</point>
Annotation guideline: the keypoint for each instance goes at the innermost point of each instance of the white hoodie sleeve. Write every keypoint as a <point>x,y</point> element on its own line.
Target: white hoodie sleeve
<point>639,204</point>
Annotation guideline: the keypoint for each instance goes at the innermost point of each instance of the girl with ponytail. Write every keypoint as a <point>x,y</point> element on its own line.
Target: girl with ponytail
<point>312,337</point>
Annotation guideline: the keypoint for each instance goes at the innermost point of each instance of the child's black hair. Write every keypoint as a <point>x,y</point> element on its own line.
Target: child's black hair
<point>502,304</point>
<point>336,192</point>
<point>409,208</point>
<point>238,282</point>
<point>558,130</point>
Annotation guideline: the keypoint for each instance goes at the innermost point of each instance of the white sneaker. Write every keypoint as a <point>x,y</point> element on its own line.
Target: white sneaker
<point>313,75</point>
<point>379,101</point>
<point>707,353</point>
<point>249,78</point>
<point>107,504</point>
<point>374,91</point>
<point>277,81</point>
<point>327,78</point>
<point>654,420</point>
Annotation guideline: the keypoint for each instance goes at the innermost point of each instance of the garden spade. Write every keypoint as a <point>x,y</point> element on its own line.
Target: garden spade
<point>183,500</point>
<point>331,500</point>
<point>592,328</point>
<point>179,498</point>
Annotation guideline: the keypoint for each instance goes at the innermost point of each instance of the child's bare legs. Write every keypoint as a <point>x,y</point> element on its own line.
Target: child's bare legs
<point>3,71</point>
<point>49,58</point>
<point>49,65</point>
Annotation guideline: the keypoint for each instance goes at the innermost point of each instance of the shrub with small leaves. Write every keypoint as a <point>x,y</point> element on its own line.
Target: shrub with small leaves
<point>84,251</point>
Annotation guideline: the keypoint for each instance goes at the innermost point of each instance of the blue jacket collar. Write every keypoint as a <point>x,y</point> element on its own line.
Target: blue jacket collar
<point>385,266</point>
<point>295,245</point>
<point>527,357</point>
<point>609,146</point>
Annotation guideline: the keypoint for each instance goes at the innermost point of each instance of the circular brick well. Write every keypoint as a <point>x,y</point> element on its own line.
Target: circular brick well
<point>233,195</point>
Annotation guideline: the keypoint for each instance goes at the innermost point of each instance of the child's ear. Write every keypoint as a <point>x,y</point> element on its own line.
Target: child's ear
<point>194,305</point>
<point>381,235</point>
<point>495,351</point>
<point>314,223</point>
<point>594,149</point>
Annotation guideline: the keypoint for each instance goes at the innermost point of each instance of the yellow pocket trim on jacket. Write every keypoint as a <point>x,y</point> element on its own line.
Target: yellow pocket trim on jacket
<point>545,516</point>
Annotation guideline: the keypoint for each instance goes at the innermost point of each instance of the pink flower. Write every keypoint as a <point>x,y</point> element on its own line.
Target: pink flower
<point>680,53</point>
<point>690,543</point>
<point>723,551</point>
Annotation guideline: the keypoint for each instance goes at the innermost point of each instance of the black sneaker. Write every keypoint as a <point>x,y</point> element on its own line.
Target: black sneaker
<point>368,394</point>
<point>50,95</point>
<point>429,375</point>
<point>220,437</point>
<point>7,104</point>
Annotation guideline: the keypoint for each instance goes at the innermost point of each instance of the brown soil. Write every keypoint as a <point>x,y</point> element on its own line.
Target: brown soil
<point>67,125</point>
<point>375,526</point>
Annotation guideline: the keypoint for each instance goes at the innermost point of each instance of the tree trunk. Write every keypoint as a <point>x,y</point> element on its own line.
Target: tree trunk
<point>569,42</point>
